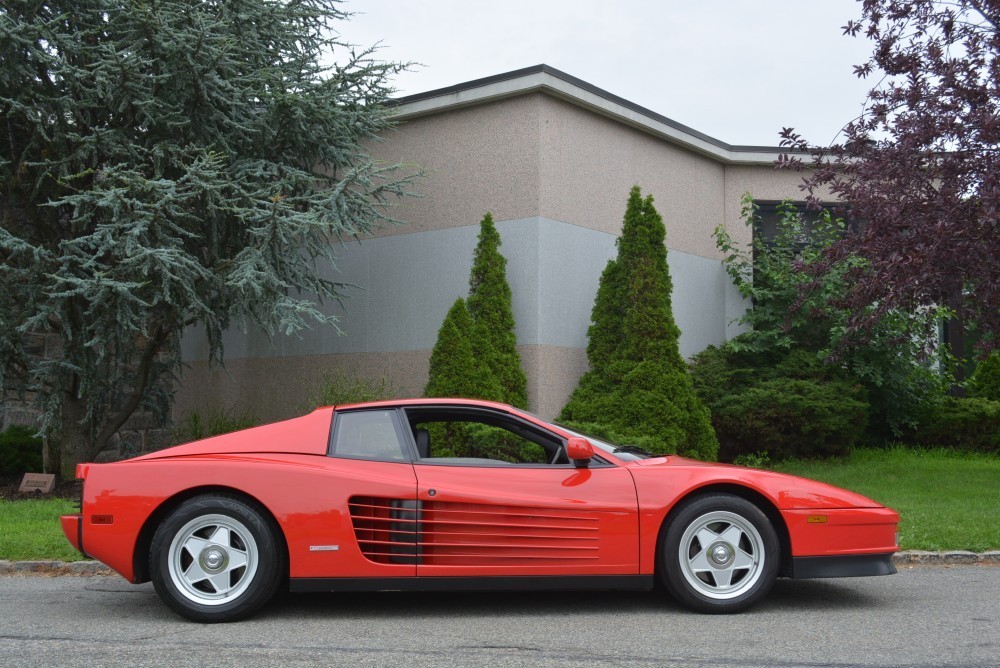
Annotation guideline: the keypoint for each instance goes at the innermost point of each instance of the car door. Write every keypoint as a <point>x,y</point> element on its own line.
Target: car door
<point>481,518</point>
<point>478,521</point>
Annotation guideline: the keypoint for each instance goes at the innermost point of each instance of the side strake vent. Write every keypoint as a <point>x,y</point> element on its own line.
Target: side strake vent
<point>386,529</point>
<point>397,531</point>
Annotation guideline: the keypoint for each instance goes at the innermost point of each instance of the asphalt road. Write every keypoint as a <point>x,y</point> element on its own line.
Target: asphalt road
<point>924,616</point>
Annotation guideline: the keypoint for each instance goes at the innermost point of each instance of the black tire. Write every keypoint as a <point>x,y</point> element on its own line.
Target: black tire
<point>230,542</point>
<point>719,554</point>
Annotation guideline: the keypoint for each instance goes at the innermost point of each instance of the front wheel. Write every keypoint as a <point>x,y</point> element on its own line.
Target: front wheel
<point>216,559</point>
<point>719,554</point>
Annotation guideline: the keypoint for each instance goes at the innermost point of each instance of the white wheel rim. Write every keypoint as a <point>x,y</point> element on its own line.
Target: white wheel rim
<point>721,555</point>
<point>212,559</point>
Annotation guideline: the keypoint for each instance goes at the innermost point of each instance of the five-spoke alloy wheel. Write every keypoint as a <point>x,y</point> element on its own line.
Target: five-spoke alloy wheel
<point>719,554</point>
<point>215,559</point>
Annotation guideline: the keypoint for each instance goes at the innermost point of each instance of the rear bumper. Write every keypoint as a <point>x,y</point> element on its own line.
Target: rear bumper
<point>847,566</point>
<point>72,526</point>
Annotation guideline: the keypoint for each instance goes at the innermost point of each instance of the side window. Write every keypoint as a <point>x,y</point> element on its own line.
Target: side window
<point>367,435</point>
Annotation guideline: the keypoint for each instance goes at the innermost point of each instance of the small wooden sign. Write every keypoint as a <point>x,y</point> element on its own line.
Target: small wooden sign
<point>38,482</point>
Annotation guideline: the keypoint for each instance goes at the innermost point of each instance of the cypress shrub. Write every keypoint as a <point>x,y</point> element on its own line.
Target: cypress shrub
<point>455,369</point>
<point>489,304</point>
<point>638,384</point>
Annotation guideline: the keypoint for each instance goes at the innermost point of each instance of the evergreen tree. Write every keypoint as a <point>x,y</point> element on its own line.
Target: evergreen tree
<point>638,388</point>
<point>171,164</point>
<point>455,369</point>
<point>490,306</point>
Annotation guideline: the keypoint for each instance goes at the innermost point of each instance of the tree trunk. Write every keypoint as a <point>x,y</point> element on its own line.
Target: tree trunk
<point>76,442</point>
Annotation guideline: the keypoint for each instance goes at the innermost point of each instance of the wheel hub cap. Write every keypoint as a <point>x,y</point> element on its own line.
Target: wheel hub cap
<point>213,559</point>
<point>721,554</point>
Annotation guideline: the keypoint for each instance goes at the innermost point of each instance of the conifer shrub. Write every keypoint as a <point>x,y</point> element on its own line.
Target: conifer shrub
<point>638,385</point>
<point>455,369</point>
<point>985,382</point>
<point>779,405</point>
<point>785,418</point>
<point>490,305</point>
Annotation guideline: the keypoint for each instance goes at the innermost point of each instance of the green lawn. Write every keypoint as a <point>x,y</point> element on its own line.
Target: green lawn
<point>30,530</point>
<point>948,500</point>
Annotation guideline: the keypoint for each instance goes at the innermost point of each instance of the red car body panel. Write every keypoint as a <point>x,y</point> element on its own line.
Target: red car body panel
<point>346,518</point>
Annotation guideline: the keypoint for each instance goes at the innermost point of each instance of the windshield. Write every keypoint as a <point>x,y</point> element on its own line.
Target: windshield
<point>623,452</point>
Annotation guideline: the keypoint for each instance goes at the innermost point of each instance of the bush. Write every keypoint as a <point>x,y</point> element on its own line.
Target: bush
<point>650,404</point>
<point>20,451</point>
<point>785,418</point>
<point>778,405</point>
<point>338,389</point>
<point>194,426</point>
<point>638,384</point>
<point>985,382</point>
<point>964,424</point>
<point>797,295</point>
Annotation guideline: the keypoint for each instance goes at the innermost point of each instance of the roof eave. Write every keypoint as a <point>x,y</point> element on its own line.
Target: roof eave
<point>547,80</point>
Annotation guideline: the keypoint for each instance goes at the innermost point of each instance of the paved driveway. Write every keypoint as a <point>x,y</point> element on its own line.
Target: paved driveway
<point>924,616</point>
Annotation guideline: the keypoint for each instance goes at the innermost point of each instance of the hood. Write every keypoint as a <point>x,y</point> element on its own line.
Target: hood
<point>787,492</point>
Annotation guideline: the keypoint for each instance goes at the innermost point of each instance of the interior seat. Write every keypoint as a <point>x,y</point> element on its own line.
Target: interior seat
<point>423,443</point>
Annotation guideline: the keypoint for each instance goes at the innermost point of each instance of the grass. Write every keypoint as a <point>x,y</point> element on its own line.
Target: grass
<point>948,500</point>
<point>31,531</point>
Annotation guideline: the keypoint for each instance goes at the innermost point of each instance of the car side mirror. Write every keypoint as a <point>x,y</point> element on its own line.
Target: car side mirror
<point>579,450</point>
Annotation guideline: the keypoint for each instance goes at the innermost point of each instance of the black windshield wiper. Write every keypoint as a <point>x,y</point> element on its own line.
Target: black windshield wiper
<point>633,449</point>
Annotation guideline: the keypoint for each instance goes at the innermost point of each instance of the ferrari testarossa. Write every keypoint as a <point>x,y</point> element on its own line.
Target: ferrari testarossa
<point>362,498</point>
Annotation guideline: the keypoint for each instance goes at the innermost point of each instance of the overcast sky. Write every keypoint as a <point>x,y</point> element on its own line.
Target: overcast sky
<point>737,70</point>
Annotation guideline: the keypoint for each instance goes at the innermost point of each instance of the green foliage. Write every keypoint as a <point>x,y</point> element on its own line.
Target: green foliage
<point>985,382</point>
<point>965,424</point>
<point>790,418</point>
<point>338,389</point>
<point>490,305</point>
<point>194,426</point>
<point>171,164</point>
<point>794,309</point>
<point>638,385</point>
<point>455,369</point>
<point>781,405</point>
<point>20,451</point>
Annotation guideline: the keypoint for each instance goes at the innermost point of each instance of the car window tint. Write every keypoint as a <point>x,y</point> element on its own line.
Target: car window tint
<point>368,435</point>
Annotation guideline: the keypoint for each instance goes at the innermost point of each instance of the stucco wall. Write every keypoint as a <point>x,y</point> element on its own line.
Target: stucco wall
<point>556,178</point>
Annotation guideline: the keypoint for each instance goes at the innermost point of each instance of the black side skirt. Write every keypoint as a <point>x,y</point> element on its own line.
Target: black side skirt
<point>498,583</point>
<point>857,565</point>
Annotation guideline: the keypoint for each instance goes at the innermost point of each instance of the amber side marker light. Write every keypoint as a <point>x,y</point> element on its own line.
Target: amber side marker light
<point>102,519</point>
<point>816,519</point>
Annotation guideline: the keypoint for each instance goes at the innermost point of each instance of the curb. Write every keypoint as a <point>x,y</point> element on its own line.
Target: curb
<point>907,558</point>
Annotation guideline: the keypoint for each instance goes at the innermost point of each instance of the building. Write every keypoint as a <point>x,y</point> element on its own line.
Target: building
<point>552,158</point>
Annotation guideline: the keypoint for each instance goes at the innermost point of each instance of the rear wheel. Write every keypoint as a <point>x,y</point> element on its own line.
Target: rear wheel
<point>720,554</point>
<point>216,559</point>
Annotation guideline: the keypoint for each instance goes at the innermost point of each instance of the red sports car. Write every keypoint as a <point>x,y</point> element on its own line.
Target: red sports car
<point>426,494</point>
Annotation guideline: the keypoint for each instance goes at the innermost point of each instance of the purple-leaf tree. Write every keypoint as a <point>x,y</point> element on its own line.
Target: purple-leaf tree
<point>919,167</point>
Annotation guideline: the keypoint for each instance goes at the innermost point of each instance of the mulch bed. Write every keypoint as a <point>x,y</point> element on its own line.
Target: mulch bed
<point>64,489</point>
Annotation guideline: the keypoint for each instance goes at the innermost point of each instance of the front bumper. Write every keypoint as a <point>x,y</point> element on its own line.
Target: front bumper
<point>847,566</point>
